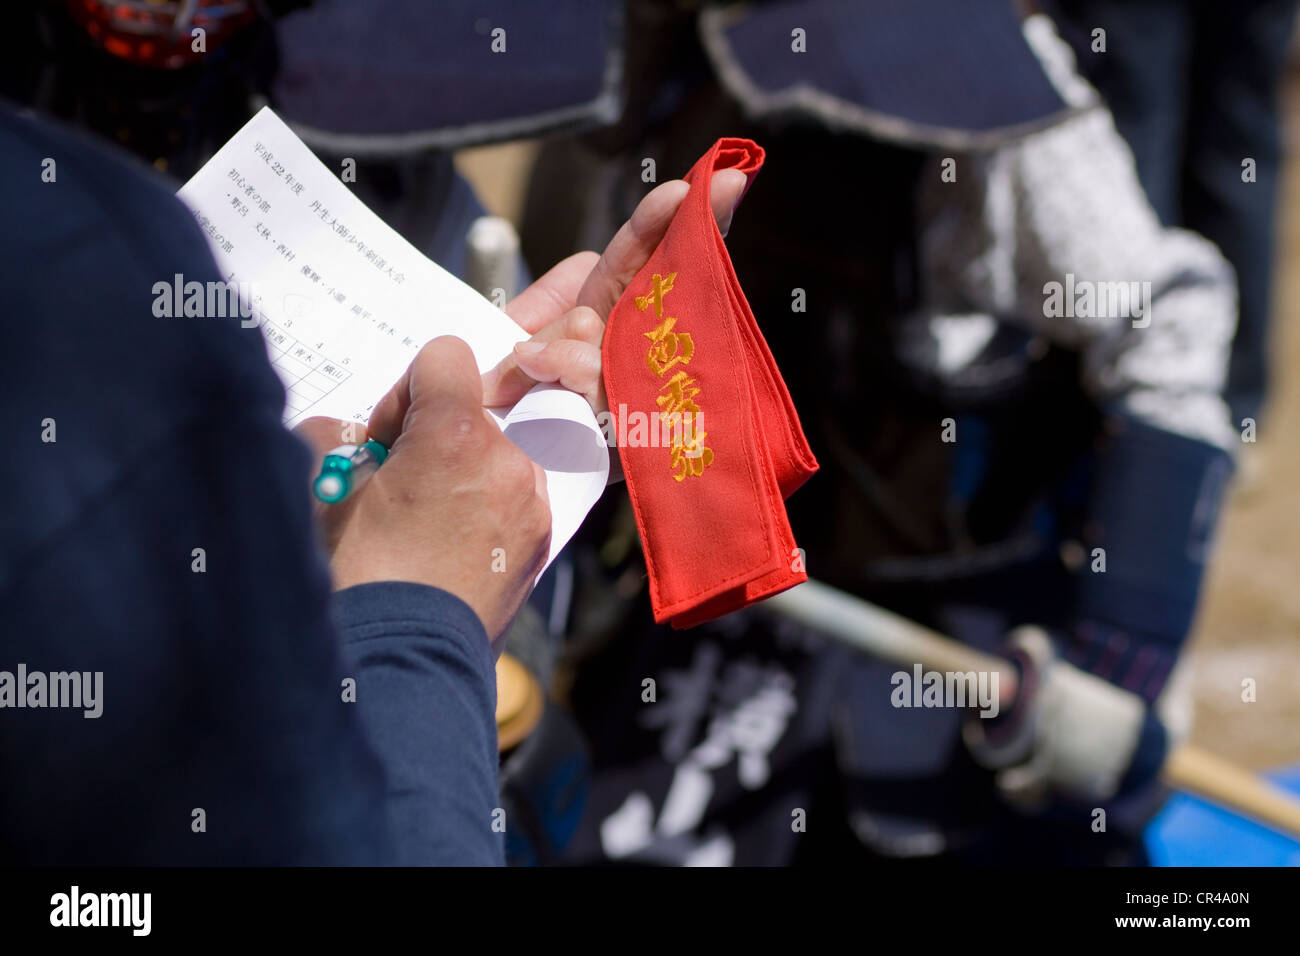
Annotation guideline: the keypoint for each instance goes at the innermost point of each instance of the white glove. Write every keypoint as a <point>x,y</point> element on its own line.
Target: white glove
<point>1069,732</point>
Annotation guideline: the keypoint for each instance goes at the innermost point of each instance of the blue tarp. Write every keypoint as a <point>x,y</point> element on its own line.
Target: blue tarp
<point>1191,832</point>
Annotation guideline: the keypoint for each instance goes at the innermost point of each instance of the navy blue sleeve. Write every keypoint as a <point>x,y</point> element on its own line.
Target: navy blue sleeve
<point>426,692</point>
<point>157,538</point>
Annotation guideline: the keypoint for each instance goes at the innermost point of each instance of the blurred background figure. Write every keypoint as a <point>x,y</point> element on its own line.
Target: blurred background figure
<point>933,167</point>
<point>1194,87</point>
<point>394,86</point>
<point>137,74</point>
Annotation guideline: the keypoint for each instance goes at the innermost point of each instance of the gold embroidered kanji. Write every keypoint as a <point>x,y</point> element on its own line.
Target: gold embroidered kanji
<point>678,411</point>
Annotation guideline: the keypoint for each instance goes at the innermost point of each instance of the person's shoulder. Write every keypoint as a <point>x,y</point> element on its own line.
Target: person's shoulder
<point>94,236</point>
<point>53,176</point>
<point>102,376</point>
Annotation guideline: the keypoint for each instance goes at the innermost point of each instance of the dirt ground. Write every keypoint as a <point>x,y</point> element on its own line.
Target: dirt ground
<point>1250,618</point>
<point>1249,624</point>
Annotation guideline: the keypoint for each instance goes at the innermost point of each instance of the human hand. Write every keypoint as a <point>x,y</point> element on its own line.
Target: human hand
<point>455,505</point>
<point>1068,733</point>
<point>566,309</point>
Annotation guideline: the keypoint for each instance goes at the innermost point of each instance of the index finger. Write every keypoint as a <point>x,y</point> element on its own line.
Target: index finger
<point>323,435</point>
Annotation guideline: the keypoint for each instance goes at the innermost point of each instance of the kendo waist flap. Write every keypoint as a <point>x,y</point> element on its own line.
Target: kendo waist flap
<point>957,74</point>
<point>390,78</point>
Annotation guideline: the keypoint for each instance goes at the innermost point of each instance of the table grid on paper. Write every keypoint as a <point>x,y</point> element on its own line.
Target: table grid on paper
<point>308,375</point>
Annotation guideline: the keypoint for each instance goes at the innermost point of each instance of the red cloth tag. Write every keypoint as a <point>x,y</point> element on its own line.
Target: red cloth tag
<point>708,437</point>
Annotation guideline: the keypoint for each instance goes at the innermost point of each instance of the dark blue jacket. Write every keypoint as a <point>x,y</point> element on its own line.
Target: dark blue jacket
<point>223,688</point>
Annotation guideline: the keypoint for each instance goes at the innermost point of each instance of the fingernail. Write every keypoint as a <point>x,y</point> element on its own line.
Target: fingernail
<point>529,348</point>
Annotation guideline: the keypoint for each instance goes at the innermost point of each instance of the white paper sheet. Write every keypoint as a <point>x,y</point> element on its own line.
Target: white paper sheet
<point>345,303</point>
